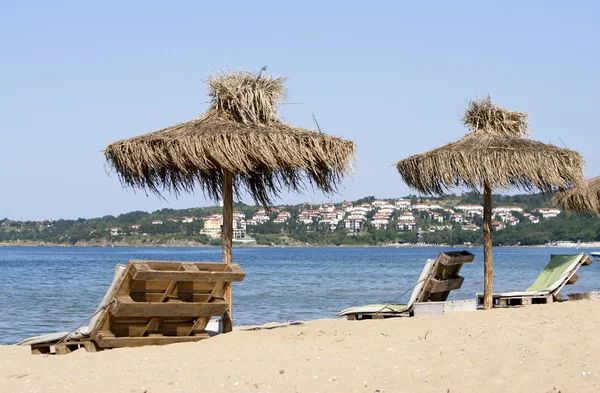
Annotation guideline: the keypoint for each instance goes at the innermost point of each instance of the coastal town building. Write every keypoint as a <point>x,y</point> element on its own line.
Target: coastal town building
<point>213,225</point>
<point>470,209</point>
<point>367,206</point>
<point>406,216</point>
<point>378,203</point>
<point>354,224</point>
<point>532,218</point>
<point>261,216</point>
<point>406,225</point>
<point>114,231</point>
<point>380,222</point>
<point>458,217</point>
<point>547,212</point>
<point>507,209</point>
<point>282,217</point>
<point>402,204</point>
<point>435,216</point>
<point>497,225</point>
<point>425,206</point>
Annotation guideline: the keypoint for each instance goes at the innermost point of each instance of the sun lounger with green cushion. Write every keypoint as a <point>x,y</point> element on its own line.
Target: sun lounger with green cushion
<point>438,278</point>
<point>560,271</point>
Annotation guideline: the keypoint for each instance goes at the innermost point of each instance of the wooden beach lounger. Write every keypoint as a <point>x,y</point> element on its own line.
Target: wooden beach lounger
<point>438,278</point>
<point>560,271</point>
<point>153,303</point>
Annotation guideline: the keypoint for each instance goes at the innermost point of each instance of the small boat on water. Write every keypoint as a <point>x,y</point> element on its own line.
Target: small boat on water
<point>595,255</point>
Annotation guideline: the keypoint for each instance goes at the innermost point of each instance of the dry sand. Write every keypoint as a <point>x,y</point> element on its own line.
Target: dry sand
<point>545,348</point>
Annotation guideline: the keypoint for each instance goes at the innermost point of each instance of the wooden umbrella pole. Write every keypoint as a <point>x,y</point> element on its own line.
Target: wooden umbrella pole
<point>227,231</point>
<point>488,265</point>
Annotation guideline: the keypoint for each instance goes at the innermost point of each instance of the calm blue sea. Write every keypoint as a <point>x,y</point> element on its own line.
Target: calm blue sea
<point>49,289</point>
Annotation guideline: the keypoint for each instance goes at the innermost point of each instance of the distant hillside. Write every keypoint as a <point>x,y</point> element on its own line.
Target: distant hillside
<point>456,219</point>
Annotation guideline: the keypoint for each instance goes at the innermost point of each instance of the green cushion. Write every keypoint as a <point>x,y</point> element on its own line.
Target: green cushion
<point>556,268</point>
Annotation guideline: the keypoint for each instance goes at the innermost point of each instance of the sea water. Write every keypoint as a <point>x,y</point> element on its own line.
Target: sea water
<point>50,289</point>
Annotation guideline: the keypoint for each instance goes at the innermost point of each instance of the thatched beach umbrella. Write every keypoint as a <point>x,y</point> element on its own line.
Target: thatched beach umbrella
<point>495,155</point>
<point>239,144</point>
<point>582,199</point>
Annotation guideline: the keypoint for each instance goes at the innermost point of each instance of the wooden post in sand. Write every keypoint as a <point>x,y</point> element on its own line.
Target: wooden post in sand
<point>227,232</point>
<point>488,265</point>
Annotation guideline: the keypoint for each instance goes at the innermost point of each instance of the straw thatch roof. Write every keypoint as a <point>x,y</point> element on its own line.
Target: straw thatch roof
<point>242,133</point>
<point>583,199</point>
<point>496,151</point>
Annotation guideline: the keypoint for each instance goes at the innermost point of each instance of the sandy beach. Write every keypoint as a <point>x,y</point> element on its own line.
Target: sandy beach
<point>543,348</point>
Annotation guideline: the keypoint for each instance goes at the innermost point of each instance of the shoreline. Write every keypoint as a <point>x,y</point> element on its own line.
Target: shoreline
<point>538,348</point>
<point>192,244</point>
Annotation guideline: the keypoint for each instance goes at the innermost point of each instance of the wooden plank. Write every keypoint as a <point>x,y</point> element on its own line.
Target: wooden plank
<point>190,267</point>
<point>573,279</point>
<point>196,286</point>
<point>175,329</point>
<point>120,342</point>
<point>90,346</point>
<point>455,257</point>
<point>154,324</point>
<point>219,291</point>
<point>127,308</point>
<point>434,285</point>
<point>557,296</point>
<point>140,266</point>
<point>173,265</point>
<point>587,260</point>
<point>68,347</point>
<point>202,276</point>
<point>201,266</point>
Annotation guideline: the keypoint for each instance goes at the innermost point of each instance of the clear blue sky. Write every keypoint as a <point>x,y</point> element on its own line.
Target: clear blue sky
<point>393,77</point>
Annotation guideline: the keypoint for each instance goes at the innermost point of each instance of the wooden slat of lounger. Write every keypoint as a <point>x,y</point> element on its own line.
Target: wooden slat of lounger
<point>437,286</point>
<point>455,258</point>
<point>218,292</point>
<point>164,328</point>
<point>120,342</point>
<point>446,267</point>
<point>154,323</point>
<point>139,272</point>
<point>128,308</point>
<point>168,265</point>
<point>573,279</point>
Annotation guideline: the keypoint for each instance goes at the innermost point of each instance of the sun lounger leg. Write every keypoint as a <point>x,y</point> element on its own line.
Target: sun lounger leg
<point>227,323</point>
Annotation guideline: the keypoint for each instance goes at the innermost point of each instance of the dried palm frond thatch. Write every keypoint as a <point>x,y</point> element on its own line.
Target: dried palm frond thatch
<point>483,115</point>
<point>502,161</point>
<point>582,199</point>
<point>494,152</point>
<point>242,133</point>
